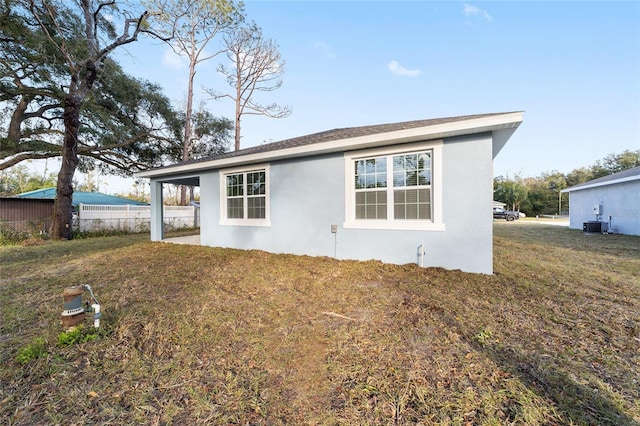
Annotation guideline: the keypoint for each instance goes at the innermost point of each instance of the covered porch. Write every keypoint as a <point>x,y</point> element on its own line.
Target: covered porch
<point>157,225</point>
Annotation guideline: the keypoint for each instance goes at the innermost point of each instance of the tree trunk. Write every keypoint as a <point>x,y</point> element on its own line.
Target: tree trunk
<point>237,134</point>
<point>183,195</point>
<point>238,105</point>
<point>186,146</point>
<point>63,207</point>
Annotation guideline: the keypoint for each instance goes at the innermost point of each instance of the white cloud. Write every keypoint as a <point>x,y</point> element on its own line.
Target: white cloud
<point>325,49</point>
<point>470,10</point>
<point>398,69</point>
<point>173,60</point>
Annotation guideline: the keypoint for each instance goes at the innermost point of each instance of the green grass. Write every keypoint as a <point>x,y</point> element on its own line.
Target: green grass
<point>198,335</point>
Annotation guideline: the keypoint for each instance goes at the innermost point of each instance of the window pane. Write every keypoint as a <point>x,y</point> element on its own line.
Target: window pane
<point>411,162</point>
<point>424,211</point>
<point>235,208</point>
<point>256,207</point>
<point>234,185</point>
<point>412,211</point>
<point>370,181</point>
<point>412,178</point>
<point>424,161</point>
<point>398,163</point>
<point>370,198</point>
<point>399,212</point>
<point>256,183</point>
<point>424,206</point>
<point>424,168</point>
<point>412,204</point>
<point>399,179</point>
<point>371,211</point>
<point>381,165</point>
<point>371,205</point>
<point>412,169</point>
<point>424,177</point>
<point>371,173</point>
<point>381,180</point>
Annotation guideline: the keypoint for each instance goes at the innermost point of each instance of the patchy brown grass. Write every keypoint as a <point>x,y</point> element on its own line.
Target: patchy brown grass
<point>198,335</point>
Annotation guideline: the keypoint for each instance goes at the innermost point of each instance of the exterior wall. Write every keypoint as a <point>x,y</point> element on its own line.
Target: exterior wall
<point>621,201</point>
<point>307,197</point>
<point>26,214</point>
<point>304,204</point>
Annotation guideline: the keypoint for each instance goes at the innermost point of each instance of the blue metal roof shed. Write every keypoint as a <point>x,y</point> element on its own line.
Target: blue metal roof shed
<point>80,197</point>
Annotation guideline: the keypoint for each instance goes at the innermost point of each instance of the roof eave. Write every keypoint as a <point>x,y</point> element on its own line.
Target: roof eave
<point>436,131</point>
<point>605,183</point>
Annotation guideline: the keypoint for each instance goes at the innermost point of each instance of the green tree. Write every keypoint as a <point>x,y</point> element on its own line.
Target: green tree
<point>210,135</point>
<point>512,192</point>
<point>537,196</point>
<point>61,91</point>
<point>614,163</point>
<point>543,193</point>
<point>578,176</point>
<point>19,179</point>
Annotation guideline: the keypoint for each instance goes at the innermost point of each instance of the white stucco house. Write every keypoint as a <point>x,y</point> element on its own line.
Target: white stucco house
<point>410,192</point>
<point>613,200</point>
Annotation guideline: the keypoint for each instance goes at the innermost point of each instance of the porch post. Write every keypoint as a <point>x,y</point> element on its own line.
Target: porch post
<point>156,220</point>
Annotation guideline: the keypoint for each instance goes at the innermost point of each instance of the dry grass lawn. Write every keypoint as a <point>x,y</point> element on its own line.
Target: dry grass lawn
<point>199,335</point>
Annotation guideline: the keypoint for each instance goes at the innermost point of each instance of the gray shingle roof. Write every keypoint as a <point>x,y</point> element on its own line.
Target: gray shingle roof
<point>337,134</point>
<point>635,171</point>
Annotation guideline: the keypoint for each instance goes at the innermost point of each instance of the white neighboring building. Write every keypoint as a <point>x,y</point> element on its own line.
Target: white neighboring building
<point>613,199</point>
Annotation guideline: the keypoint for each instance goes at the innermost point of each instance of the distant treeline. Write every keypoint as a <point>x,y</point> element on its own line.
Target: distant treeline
<point>541,195</point>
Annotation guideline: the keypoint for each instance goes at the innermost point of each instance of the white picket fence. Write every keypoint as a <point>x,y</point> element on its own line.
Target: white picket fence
<point>130,218</point>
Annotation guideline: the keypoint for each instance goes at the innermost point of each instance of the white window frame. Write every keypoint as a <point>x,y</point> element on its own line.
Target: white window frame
<point>435,224</point>
<point>222,174</point>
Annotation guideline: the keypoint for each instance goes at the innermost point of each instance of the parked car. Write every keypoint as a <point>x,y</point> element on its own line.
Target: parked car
<point>509,215</point>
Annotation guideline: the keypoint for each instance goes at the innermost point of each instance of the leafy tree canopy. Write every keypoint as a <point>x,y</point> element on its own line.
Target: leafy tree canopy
<point>126,124</point>
<point>19,179</point>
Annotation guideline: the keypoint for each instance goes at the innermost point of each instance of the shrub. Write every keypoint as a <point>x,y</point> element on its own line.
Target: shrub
<point>33,351</point>
<point>77,335</point>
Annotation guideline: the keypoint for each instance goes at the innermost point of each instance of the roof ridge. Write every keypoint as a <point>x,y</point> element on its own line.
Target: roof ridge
<point>633,171</point>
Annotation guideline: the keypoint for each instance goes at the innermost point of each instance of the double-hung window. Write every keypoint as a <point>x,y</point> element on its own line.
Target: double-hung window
<point>394,189</point>
<point>245,197</point>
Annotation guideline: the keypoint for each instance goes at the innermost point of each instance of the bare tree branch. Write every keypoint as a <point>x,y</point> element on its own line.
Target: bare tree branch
<point>257,66</point>
<point>194,24</point>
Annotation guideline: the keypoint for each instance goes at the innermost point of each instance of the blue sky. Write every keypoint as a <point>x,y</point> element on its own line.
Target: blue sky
<point>573,67</point>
